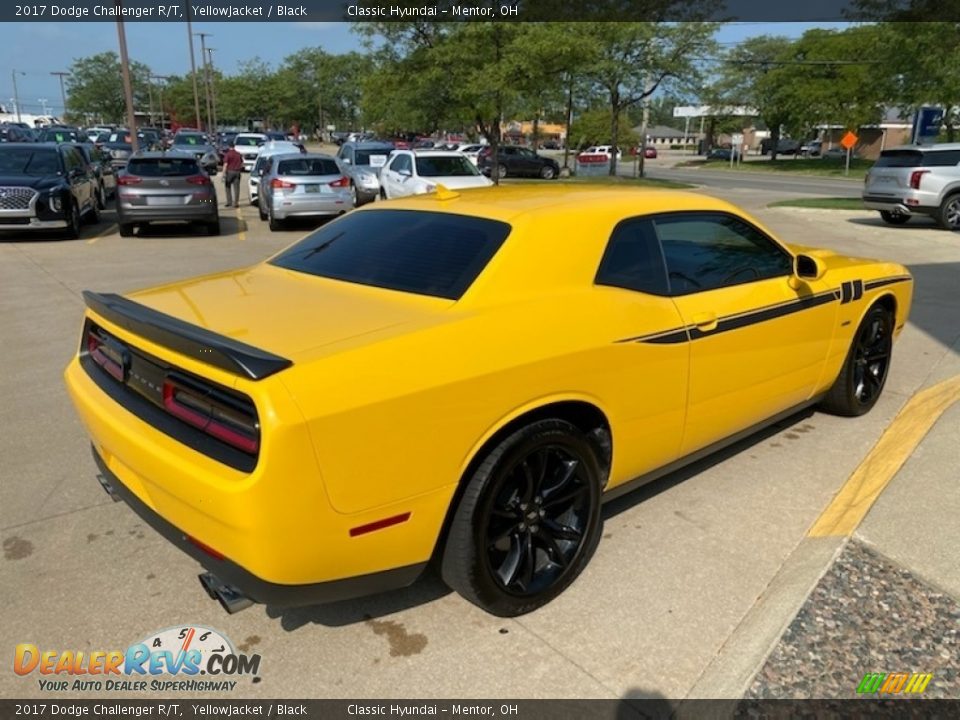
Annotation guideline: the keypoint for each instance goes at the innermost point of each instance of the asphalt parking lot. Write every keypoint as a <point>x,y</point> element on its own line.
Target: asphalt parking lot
<point>708,583</point>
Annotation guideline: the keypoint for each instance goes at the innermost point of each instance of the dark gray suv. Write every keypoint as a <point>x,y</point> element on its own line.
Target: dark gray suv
<point>163,186</point>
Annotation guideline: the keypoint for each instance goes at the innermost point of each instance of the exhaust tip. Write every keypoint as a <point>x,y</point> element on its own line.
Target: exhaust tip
<point>229,597</point>
<point>108,488</point>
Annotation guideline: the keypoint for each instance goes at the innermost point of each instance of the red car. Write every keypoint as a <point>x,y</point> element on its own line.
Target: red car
<point>650,152</point>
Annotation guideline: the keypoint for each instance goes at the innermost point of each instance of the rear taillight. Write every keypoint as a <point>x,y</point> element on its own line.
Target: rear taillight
<point>341,183</point>
<point>129,180</point>
<point>277,184</point>
<point>198,180</point>
<point>110,359</point>
<point>212,412</point>
<point>915,177</point>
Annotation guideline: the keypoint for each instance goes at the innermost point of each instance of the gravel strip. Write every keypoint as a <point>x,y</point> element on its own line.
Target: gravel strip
<point>865,615</point>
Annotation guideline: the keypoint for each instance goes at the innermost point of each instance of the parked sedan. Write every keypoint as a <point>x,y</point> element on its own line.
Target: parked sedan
<point>273,147</point>
<point>416,172</point>
<point>516,161</point>
<point>302,185</point>
<point>165,186</point>
<point>45,187</point>
<point>463,382</point>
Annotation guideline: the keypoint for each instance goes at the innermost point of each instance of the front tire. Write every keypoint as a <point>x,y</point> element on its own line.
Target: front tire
<point>126,229</point>
<point>864,372</point>
<point>501,171</point>
<point>73,222</point>
<point>892,218</point>
<point>949,213</point>
<point>528,522</point>
<point>547,172</point>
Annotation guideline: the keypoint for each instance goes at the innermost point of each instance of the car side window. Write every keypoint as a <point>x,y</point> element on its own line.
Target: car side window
<point>401,163</point>
<point>633,259</point>
<point>705,251</point>
<point>71,159</point>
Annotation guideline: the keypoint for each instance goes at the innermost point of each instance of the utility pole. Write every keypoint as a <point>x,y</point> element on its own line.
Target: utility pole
<point>644,123</point>
<point>16,94</point>
<point>162,78</point>
<point>193,65</point>
<point>206,74</point>
<point>213,89</point>
<point>150,100</point>
<point>63,93</point>
<point>127,86</point>
<point>43,105</point>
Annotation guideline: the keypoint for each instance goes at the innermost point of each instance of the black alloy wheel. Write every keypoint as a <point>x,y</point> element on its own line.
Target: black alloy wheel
<point>547,172</point>
<point>529,520</point>
<point>864,372</point>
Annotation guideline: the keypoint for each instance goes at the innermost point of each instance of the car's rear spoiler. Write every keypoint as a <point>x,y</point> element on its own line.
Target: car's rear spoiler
<point>194,342</point>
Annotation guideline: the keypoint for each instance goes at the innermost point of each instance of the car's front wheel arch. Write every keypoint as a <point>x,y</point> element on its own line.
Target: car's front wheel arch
<point>585,416</point>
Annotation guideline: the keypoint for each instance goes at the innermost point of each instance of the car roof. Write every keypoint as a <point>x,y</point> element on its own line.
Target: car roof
<point>31,145</point>
<point>510,202</point>
<point>154,154</point>
<point>926,148</point>
<point>370,145</point>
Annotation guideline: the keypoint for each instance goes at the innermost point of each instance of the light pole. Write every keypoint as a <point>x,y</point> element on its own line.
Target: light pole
<point>63,93</point>
<point>16,94</point>
<point>127,86</point>
<point>163,79</point>
<point>193,64</point>
<point>213,88</point>
<point>206,73</point>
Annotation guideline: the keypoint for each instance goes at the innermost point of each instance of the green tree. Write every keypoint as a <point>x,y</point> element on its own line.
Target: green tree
<point>95,88</point>
<point>630,61</point>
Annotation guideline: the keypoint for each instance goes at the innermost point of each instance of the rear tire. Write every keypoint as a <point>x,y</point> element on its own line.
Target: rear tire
<point>274,223</point>
<point>263,215</point>
<point>213,228</point>
<point>126,229</point>
<point>501,171</point>
<point>949,213</point>
<point>864,372</point>
<point>547,172</point>
<point>892,218</point>
<point>528,522</point>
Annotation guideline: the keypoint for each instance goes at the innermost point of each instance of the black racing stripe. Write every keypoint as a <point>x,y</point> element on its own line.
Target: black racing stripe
<point>764,314</point>
<point>734,322</point>
<point>677,336</point>
<point>857,289</point>
<point>846,292</point>
<point>873,284</point>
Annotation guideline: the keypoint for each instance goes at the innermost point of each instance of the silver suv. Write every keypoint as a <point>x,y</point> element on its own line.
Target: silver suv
<point>916,180</point>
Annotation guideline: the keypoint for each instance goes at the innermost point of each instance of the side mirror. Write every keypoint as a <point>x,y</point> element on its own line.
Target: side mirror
<point>405,173</point>
<point>345,161</point>
<point>807,267</point>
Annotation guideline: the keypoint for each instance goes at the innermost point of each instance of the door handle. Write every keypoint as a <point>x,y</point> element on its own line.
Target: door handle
<point>705,321</point>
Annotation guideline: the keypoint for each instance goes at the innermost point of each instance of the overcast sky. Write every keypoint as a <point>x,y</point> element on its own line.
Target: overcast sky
<point>37,49</point>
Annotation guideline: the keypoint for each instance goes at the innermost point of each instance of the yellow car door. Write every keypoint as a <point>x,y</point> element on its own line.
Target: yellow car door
<point>645,376</point>
<point>758,338</point>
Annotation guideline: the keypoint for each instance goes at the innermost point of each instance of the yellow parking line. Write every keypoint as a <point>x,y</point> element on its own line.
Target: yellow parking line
<point>241,233</point>
<point>845,513</point>
<point>106,232</point>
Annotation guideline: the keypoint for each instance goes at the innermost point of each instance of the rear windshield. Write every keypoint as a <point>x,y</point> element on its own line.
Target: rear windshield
<point>189,140</point>
<point>425,253</point>
<point>445,166</point>
<point>376,158</point>
<point>24,161</point>
<point>918,158</point>
<point>308,166</point>
<point>249,141</point>
<point>163,167</point>
<point>59,136</point>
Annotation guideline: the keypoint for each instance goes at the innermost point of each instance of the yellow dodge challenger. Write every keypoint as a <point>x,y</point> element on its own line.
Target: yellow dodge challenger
<point>463,378</point>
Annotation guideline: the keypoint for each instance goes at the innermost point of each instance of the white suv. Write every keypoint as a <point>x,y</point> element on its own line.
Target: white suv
<point>248,145</point>
<point>414,172</point>
<point>916,180</point>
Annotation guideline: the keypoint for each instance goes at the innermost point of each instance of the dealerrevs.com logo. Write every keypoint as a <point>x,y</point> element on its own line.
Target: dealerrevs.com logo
<point>188,658</point>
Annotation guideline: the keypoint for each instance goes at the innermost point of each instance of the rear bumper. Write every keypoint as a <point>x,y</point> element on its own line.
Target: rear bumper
<point>149,213</point>
<point>252,586</point>
<point>896,205</point>
<point>286,206</point>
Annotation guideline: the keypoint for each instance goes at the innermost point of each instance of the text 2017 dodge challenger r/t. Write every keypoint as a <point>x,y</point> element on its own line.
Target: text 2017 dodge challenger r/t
<point>465,378</point>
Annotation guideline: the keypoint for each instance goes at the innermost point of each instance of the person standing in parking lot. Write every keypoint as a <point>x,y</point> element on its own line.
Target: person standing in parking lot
<point>232,168</point>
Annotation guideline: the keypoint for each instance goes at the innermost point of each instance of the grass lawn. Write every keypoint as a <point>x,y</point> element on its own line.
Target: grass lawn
<point>822,203</point>
<point>615,180</point>
<point>796,166</point>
